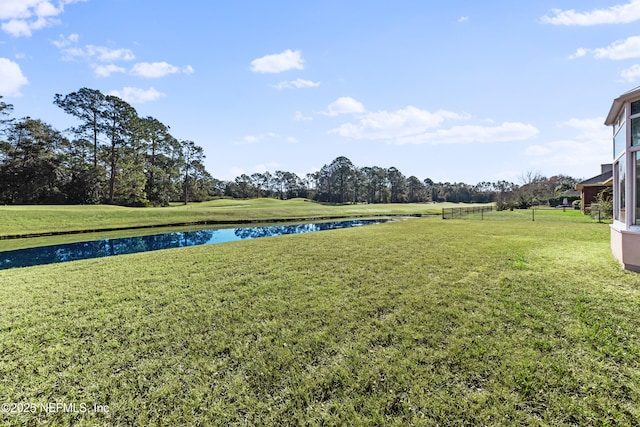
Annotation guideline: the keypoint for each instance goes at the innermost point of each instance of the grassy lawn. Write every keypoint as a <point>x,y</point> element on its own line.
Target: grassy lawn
<point>503,321</point>
<point>19,220</point>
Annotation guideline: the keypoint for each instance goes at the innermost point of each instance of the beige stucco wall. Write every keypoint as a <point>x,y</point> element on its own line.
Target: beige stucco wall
<point>625,246</point>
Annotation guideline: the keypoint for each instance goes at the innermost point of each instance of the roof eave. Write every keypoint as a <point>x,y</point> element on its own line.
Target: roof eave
<point>618,103</point>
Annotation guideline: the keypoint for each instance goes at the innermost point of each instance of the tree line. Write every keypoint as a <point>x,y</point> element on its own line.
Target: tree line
<point>114,156</point>
<point>342,182</point>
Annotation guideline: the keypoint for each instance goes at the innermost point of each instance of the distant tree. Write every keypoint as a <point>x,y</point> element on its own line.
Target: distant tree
<point>121,121</point>
<point>397,185</point>
<point>85,181</point>
<point>244,186</point>
<point>33,167</point>
<point>416,190</point>
<point>90,106</point>
<point>5,110</point>
<point>157,145</point>
<point>192,155</point>
<point>341,172</point>
<point>359,185</point>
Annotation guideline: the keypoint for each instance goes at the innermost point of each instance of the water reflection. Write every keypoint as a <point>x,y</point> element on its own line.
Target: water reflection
<point>130,245</point>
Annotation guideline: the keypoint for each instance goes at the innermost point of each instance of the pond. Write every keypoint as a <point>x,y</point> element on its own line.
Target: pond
<point>129,245</point>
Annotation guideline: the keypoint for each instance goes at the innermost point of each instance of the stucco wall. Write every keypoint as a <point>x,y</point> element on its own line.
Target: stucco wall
<point>625,246</point>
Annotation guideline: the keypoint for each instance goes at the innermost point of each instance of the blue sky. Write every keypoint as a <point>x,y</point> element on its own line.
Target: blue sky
<point>453,91</point>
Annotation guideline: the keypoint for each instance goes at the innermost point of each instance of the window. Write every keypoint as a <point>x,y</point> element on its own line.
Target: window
<point>637,189</point>
<point>621,205</point>
<point>635,107</point>
<point>619,141</point>
<point>635,131</point>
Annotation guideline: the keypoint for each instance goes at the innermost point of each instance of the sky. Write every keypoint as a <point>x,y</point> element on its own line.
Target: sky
<point>457,91</point>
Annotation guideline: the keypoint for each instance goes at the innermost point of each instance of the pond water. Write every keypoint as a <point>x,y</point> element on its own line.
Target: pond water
<point>130,245</point>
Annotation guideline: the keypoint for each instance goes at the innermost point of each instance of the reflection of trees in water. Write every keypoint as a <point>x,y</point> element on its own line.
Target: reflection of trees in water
<point>278,230</point>
<point>129,245</point>
<point>102,248</point>
<point>272,230</point>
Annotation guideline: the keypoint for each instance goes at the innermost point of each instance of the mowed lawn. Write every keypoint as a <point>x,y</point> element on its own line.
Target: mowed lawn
<point>503,321</point>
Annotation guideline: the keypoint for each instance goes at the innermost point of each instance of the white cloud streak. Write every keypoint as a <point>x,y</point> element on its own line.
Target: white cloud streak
<point>299,117</point>
<point>107,70</point>
<point>91,52</point>
<point>622,49</point>
<point>618,50</point>
<point>506,132</point>
<point>412,125</point>
<point>136,95</point>
<point>619,14</point>
<point>153,70</point>
<point>11,78</point>
<point>405,122</point>
<point>279,62</point>
<point>296,84</point>
<point>631,74</point>
<point>592,140</point>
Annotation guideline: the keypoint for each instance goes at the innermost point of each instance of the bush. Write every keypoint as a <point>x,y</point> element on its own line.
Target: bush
<point>603,207</point>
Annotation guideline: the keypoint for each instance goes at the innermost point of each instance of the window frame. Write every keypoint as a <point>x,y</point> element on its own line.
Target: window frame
<point>631,154</point>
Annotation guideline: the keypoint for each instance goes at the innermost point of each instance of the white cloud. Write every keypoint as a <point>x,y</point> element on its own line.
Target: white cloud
<point>107,70</point>
<point>158,69</point>
<point>406,122</point>
<point>21,17</point>
<point>296,84</point>
<point>618,50</point>
<point>279,62</point>
<point>99,55</point>
<point>298,116</point>
<point>91,52</point>
<point>591,145</point>
<point>506,132</point>
<point>344,105</point>
<point>16,28</point>
<point>463,19</point>
<point>588,128</point>
<point>579,53</point>
<point>622,49</point>
<point>63,41</point>
<point>632,73</point>
<point>619,14</point>
<point>136,95</point>
<point>11,78</point>
<point>105,54</point>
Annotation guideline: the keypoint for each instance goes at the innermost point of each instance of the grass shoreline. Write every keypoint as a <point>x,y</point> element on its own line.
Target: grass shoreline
<point>42,220</point>
<point>204,222</point>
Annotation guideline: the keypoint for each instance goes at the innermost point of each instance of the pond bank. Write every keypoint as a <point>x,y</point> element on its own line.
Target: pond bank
<point>204,222</point>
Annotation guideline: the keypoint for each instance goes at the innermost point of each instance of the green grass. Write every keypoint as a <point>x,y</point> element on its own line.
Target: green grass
<point>503,321</point>
<point>20,220</point>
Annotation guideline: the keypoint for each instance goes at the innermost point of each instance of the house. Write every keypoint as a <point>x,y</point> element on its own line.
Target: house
<point>590,188</point>
<point>624,118</point>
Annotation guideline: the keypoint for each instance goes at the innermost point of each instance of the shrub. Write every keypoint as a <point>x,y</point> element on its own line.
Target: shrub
<point>603,207</point>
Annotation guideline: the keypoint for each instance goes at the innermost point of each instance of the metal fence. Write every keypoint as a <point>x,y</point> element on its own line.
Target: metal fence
<point>451,213</point>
